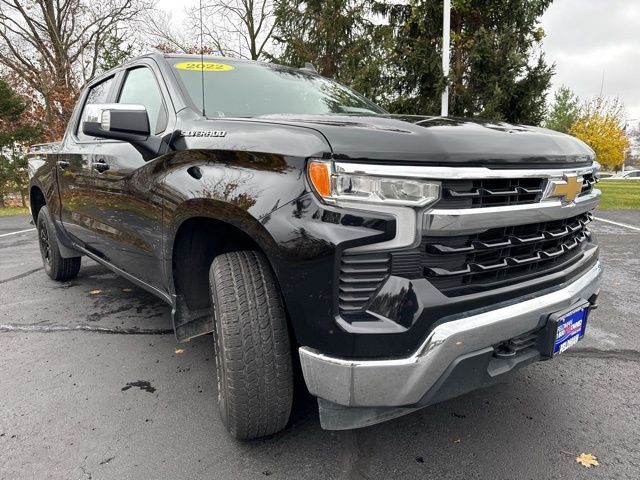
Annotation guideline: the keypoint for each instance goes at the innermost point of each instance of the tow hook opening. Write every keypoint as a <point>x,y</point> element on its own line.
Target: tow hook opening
<point>504,351</point>
<point>514,346</point>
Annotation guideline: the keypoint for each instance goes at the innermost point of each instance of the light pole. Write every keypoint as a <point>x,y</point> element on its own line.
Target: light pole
<point>446,28</point>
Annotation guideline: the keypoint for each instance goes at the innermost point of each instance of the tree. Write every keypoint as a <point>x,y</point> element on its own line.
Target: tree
<point>564,112</point>
<point>497,70</point>
<point>114,52</point>
<point>339,37</point>
<point>601,127</point>
<point>230,28</point>
<point>235,28</point>
<point>53,46</point>
<point>158,26</point>
<point>16,133</point>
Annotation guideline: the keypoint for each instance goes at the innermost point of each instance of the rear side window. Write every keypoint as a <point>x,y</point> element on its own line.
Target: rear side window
<point>140,88</point>
<point>97,94</point>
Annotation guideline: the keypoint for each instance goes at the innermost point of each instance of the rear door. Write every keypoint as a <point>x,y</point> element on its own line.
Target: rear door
<point>79,212</point>
<point>126,184</point>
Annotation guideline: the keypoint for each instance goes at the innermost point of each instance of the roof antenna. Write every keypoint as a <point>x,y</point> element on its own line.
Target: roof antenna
<point>202,61</point>
<point>309,66</point>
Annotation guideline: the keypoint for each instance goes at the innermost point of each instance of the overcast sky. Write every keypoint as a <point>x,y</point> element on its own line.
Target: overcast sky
<point>588,37</point>
<point>584,38</point>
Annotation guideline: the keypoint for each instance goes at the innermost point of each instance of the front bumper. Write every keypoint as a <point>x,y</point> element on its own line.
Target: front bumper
<point>407,382</point>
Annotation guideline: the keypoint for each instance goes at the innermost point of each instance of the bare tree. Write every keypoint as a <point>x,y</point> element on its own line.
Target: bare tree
<point>235,28</point>
<point>53,46</point>
<point>160,31</point>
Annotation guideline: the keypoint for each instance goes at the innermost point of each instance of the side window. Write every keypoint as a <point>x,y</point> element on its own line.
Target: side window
<point>97,94</point>
<point>140,88</point>
<point>634,174</point>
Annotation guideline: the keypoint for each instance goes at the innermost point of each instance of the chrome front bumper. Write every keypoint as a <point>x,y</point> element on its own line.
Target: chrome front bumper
<point>405,381</point>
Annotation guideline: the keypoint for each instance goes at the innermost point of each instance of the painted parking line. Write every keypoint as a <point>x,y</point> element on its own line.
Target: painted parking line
<point>618,224</point>
<point>16,233</point>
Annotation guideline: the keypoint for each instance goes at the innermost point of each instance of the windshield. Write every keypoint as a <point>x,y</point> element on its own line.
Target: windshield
<point>242,89</point>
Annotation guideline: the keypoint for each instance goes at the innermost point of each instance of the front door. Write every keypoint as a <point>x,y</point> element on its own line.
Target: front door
<point>124,183</point>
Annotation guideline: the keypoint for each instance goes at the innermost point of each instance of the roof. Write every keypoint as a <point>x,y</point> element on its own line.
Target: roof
<point>197,57</point>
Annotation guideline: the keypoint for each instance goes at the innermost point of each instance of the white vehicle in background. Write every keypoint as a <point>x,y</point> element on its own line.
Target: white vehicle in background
<point>629,174</point>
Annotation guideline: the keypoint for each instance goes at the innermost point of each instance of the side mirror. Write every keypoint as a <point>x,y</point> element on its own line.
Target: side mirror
<point>116,121</point>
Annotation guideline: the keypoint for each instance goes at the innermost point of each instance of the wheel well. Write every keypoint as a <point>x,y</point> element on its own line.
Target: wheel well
<point>197,242</point>
<point>37,201</point>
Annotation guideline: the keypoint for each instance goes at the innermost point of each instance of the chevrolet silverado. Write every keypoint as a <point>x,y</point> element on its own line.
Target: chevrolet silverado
<point>398,261</point>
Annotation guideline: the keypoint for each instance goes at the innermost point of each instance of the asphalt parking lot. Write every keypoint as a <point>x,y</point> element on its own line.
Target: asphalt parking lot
<point>91,387</point>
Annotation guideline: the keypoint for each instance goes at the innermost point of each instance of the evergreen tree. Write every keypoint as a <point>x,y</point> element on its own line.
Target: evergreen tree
<point>497,71</point>
<point>115,52</point>
<point>564,112</point>
<point>339,37</point>
<point>392,52</point>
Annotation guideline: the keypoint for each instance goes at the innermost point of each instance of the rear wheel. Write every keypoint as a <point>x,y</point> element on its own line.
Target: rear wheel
<point>253,356</point>
<point>57,267</point>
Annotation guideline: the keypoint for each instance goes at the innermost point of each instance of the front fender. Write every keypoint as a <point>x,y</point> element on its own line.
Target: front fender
<point>221,211</point>
<point>238,188</point>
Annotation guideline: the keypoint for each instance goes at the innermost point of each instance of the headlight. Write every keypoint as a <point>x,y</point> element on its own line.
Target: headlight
<point>336,186</point>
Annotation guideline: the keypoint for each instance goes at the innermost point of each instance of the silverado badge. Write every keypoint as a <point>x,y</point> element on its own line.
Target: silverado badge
<point>203,133</point>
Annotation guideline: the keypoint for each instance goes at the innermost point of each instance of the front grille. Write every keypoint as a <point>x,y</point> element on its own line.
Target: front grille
<point>361,275</point>
<point>466,264</point>
<point>498,192</point>
<point>490,193</point>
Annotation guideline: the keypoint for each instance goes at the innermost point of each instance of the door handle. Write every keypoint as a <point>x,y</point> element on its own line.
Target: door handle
<point>100,166</point>
<point>63,164</point>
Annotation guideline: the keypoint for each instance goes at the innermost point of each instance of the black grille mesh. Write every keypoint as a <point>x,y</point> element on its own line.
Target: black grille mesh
<point>498,192</point>
<point>479,262</point>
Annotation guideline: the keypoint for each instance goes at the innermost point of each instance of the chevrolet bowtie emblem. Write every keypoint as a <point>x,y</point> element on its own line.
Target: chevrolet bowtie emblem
<point>569,188</point>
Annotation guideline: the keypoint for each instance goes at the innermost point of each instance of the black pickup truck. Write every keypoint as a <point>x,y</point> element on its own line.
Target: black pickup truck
<point>398,260</point>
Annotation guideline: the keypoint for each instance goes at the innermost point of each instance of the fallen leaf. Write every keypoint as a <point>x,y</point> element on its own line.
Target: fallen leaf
<point>127,289</point>
<point>587,460</point>
<point>95,292</point>
<point>179,350</point>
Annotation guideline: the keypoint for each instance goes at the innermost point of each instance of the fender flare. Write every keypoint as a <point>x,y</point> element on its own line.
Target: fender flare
<point>192,323</point>
<point>223,212</point>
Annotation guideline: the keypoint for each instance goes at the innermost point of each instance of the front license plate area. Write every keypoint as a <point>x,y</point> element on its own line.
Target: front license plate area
<point>565,329</point>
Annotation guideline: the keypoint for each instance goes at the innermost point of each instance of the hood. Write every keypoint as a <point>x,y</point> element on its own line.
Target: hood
<point>442,141</point>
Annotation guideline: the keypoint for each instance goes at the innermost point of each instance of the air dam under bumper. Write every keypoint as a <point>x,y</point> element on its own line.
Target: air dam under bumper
<point>403,382</point>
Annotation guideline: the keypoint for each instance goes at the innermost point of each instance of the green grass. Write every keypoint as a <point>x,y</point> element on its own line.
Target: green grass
<point>7,211</point>
<point>620,194</point>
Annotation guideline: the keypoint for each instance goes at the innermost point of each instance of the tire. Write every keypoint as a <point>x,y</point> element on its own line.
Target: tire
<point>58,268</point>
<point>253,356</point>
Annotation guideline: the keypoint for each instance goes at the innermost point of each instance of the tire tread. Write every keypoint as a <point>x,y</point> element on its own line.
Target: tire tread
<point>254,343</point>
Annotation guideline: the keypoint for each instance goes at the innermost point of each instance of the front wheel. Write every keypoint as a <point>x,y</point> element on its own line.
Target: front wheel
<point>56,266</point>
<point>253,356</point>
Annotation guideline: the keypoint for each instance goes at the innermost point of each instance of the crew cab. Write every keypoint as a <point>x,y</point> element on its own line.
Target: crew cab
<point>398,260</point>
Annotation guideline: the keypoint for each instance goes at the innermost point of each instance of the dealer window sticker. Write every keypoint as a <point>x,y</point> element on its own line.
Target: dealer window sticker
<point>204,66</point>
